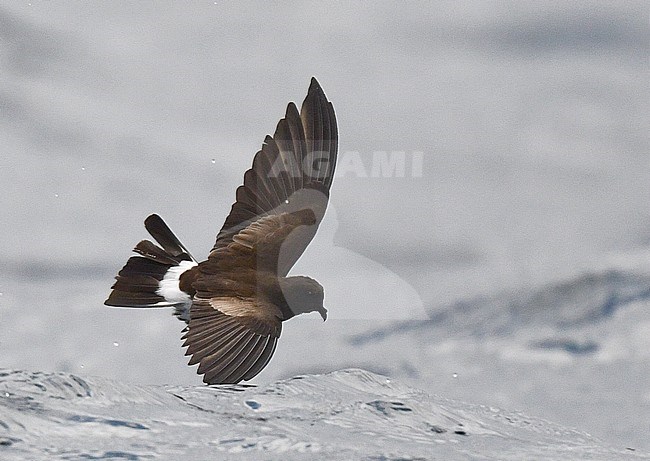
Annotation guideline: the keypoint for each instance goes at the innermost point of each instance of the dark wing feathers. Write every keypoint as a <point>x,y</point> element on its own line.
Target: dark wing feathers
<point>262,194</point>
<point>263,358</point>
<point>293,171</point>
<point>321,130</point>
<point>215,364</point>
<point>210,341</point>
<point>262,245</point>
<point>211,362</point>
<point>274,218</point>
<point>237,368</point>
<point>230,346</point>
<point>206,348</point>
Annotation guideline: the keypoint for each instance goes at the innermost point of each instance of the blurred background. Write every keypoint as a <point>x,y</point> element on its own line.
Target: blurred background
<point>512,269</point>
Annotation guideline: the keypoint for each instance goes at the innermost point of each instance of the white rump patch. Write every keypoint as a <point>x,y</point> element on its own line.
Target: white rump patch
<point>168,287</point>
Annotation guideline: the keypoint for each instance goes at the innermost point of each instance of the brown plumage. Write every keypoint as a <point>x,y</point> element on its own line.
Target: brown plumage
<point>236,300</point>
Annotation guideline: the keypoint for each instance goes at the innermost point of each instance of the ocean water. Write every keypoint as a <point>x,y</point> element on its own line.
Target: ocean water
<point>348,414</point>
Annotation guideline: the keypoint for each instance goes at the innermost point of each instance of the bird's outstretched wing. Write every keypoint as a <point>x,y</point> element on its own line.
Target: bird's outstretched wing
<point>232,339</point>
<point>260,246</point>
<point>292,172</point>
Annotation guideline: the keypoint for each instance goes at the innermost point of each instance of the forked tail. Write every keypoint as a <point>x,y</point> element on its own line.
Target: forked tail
<point>151,279</point>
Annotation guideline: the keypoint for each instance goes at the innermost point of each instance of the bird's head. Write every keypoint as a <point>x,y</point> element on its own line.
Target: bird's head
<point>303,295</point>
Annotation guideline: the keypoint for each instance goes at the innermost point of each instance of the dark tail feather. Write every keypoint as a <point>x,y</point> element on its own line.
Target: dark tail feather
<point>166,238</point>
<point>138,283</point>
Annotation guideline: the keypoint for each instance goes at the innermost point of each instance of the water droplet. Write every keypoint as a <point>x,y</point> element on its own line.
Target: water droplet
<point>56,195</point>
<point>83,168</point>
<point>81,366</point>
<point>455,375</point>
<point>214,160</point>
<point>116,344</point>
<point>286,201</point>
<point>6,394</point>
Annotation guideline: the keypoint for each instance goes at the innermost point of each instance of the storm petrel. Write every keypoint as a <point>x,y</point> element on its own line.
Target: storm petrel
<point>234,302</point>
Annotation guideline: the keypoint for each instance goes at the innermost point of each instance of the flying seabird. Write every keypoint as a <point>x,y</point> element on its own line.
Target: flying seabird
<point>234,302</point>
